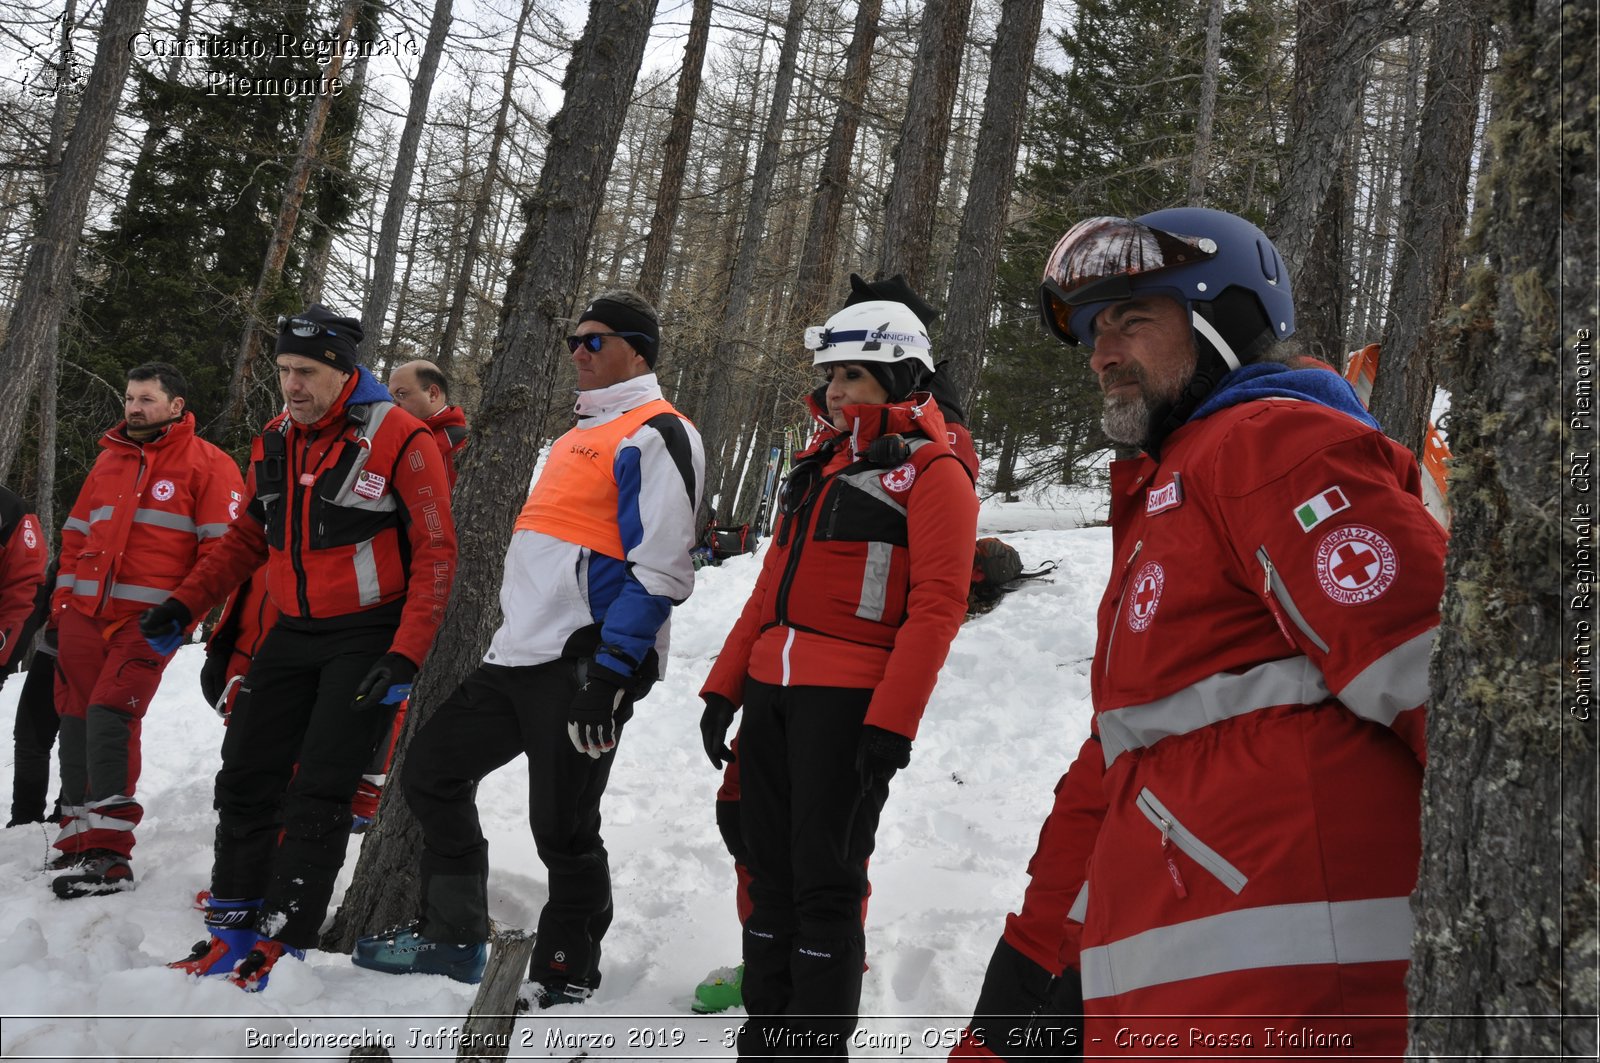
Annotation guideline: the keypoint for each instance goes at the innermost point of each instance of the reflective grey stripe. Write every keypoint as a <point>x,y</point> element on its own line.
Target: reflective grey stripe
<point>1080,905</point>
<point>1393,683</point>
<point>875,581</point>
<point>86,586</point>
<point>346,496</point>
<point>1279,590</point>
<point>366,574</point>
<point>1284,935</point>
<point>66,579</point>
<point>1197,850</point>
<point>162,519</point>
<point>871,480</point>
<point>1290,681</point>
<point>103,513</point>
<point>132,592</point>
<point>210,531</point>
<point>74,524</point>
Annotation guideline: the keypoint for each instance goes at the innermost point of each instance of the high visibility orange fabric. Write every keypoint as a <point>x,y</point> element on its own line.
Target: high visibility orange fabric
<point>576,497</point>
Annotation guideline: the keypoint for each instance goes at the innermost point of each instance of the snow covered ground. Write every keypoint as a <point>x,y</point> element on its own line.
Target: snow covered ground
<point>85,979</point>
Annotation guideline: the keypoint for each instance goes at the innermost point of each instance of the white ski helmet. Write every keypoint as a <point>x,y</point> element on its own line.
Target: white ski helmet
<point>875,332</point>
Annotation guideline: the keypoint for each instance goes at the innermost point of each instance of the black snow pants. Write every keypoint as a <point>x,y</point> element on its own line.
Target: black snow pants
<point>496,714</point>
<point>808,830</point>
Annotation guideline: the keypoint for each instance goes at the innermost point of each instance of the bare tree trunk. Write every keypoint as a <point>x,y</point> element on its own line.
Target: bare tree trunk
<point>983,222</point>
<point>1504,952</point>
<point>1333,43</point>
<point>731,337</point>
<point>919,156</point>
<point>394,206</point>
<point>1210,73</point>
<point>547,274</point>
<point>283,232</point>
<point>480,205</point>
<point>1322,285</point>
<point>36,318</point>
<point>1428,261</point>
<point>675,153</point>
<point>820,250</point>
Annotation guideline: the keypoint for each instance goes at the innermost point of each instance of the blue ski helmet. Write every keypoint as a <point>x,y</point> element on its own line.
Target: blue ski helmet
<point>1216,264</point>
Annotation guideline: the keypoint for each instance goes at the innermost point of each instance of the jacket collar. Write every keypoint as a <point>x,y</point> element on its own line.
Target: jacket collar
<point>620,397</point>
<point>177,431</point>
<point>447,417</point>
<point>919,414</point>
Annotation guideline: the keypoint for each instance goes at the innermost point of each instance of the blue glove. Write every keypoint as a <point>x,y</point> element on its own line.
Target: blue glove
<point>163,625</point>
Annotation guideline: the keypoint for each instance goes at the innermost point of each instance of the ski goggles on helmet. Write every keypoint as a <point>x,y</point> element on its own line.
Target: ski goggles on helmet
<point>303,327</point>
<point>1098,261</point>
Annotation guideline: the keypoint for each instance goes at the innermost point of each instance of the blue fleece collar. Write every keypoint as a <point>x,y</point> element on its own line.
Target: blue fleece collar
<point>368,389</point>
<point>1263,380</point>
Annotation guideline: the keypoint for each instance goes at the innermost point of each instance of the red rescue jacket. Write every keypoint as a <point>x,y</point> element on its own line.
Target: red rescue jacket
<point>350,514</point>
<point>449,428</point>
<point>146,514</point>
<point>865,581</point>
<point>23,557</point>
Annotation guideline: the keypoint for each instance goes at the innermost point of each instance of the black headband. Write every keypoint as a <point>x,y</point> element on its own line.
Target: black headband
<point>623,318</point>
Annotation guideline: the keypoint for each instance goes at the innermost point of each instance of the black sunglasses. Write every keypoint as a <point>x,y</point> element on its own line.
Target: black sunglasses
<point>595,340</point>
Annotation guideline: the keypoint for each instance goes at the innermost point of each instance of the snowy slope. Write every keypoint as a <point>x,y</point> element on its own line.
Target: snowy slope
<point>85,979</point>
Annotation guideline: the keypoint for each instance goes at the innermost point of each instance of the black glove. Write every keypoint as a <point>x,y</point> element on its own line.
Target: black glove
<point>214,676</point>
<point>162,625</point>
<point>602,705</point>
<point>880,754</point>
<point>388,683</point>
<point>714,724</point>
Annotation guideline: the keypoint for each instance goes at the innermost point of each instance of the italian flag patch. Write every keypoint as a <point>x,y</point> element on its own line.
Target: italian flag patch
<point>1313,511</point>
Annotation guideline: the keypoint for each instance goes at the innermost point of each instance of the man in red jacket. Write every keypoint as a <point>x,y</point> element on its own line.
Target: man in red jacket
<point>1229,861</point>
<point>349,506</point>
<point>156,502</point>
<point>422,390</point>
<point>23,557</point>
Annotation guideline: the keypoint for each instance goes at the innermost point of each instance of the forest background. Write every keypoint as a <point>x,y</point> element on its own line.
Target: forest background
<point>1425,166</point>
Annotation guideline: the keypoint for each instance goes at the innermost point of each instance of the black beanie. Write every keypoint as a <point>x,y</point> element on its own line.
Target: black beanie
<point>899,379</point>
<point>618,316</point>
<point>317,332</point>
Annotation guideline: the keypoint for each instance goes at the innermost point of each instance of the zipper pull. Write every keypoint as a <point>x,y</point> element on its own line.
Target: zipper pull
<point>1172,865</point>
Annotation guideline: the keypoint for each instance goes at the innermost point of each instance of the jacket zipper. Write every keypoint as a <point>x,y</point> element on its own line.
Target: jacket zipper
<point>1116,615</point>
<point>1174,834</point>
<point>297,525</point>
<point>1276,593</point>
<point>801,524</point>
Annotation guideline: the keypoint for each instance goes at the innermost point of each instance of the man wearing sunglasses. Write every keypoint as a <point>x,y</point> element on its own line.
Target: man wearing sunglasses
<point>598,558</point>
<point>1227,868</point>
<point>348,506</point>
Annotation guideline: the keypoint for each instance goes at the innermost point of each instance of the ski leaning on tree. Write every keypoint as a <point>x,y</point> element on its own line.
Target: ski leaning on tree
<point>1227,867</point>
<point>349,508</point>
<point>598,558</point>
<point>156,502</point>
<point>833,659</point>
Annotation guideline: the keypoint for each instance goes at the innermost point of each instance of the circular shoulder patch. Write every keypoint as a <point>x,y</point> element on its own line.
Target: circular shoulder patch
<point>899,478</point>
<point>163,490</point>
<point>29,539</point>
<point>1355,564</point>
<point>1145,594</point>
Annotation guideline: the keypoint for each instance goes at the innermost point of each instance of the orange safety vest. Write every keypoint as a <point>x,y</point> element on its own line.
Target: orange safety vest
<point>575,497</point>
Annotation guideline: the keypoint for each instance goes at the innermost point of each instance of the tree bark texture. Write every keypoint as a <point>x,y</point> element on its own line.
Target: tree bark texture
<point>819,251</point>
<point>919,157</point>
<point>485,197</point>
<point>47,280</point>
<point>732,338</point>
<point>983,220</point>
<point>1333,41</point>
<point>283,231</point>
<point>1504,953</point>
<point>675,153</point>
<point>1205,116</point>
<point>1322,286</point>
<point>394,207</point>
<point>547,272</point>
<point>1428,259</point>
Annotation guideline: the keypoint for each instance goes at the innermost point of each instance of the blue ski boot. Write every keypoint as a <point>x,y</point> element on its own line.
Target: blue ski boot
<point>404,950</point>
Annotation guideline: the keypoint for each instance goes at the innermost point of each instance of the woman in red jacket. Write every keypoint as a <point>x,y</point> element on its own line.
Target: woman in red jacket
<point>833,659</point>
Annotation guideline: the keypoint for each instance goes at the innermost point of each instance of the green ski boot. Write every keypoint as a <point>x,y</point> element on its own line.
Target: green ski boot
<point>720,990</point>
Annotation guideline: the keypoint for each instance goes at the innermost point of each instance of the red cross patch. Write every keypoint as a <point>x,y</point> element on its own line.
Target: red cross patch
<point>163,490</point>
<point>1355,565</point>
<point>1145,594</point>
<point>899,478</point>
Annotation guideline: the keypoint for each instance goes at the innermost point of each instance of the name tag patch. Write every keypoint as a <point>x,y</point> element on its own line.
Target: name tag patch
<point>1165,497</point>
<point>369,484</point>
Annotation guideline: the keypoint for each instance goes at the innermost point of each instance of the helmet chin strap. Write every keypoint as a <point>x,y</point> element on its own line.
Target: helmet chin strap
<point>1209,331</point>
